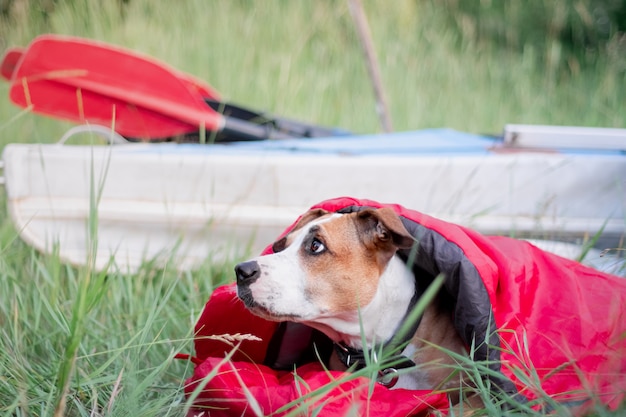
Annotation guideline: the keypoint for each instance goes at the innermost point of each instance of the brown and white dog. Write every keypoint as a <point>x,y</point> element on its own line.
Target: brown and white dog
<point>340,274</point>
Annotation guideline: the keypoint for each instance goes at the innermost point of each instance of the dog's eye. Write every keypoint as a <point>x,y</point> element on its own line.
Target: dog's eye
<point>317,246</point>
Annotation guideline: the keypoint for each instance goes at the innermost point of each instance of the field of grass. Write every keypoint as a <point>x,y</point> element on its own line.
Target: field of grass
<point>81,343</point>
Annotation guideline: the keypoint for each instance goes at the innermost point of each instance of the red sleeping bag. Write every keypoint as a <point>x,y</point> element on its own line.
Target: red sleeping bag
<point>556,334</point>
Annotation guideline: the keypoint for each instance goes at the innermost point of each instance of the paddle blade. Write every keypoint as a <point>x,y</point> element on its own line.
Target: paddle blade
<point>90,82</point>
<point>198,86</point>
<point>10,61</point>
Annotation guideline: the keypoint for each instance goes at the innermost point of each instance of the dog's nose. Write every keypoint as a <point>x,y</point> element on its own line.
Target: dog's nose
<point>247,272</point>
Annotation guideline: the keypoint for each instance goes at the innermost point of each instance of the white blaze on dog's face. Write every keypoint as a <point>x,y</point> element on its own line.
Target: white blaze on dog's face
<point>329,265</point>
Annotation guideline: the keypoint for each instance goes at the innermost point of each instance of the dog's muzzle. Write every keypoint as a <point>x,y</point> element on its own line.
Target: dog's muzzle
<point>247,273</point>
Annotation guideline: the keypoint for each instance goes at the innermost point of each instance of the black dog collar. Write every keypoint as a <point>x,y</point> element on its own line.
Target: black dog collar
<point>355,358</point>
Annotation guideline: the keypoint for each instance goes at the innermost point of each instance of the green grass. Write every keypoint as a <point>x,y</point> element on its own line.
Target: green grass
<point>86,343</point>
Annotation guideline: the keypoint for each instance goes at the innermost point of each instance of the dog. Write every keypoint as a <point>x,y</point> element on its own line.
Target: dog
<point>341,274</point>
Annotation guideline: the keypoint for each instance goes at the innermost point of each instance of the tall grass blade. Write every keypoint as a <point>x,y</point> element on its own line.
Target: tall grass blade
<point>90,291</point>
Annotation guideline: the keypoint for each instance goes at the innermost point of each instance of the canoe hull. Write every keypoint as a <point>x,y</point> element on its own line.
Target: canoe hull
<point>189,202</point>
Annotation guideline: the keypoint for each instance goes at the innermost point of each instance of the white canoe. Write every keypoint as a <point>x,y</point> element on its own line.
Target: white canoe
<point>186,202</point>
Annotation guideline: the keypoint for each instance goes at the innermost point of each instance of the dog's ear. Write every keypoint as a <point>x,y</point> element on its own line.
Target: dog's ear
<point>385,228</point>
<point>306,218</point>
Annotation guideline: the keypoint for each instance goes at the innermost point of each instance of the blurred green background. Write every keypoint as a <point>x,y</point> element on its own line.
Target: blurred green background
<point>469,65</point>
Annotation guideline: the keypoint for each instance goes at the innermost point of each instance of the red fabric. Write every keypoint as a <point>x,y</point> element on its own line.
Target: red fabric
<point>224,314</point>
<point>562,328</point>
<point>224,395</point>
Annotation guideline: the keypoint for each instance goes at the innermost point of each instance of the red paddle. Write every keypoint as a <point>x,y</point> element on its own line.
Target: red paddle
<point>86,81</point>
<point>13,55</point>
<point>10,61</point>
<point>90,82</point>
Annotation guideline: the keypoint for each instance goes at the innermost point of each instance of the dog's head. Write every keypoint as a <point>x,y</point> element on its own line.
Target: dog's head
<point>328,265</point>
